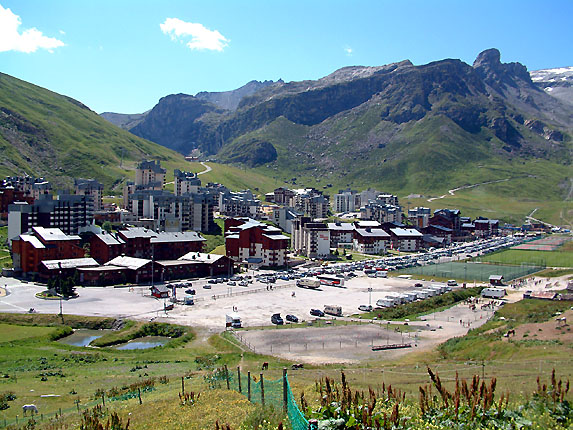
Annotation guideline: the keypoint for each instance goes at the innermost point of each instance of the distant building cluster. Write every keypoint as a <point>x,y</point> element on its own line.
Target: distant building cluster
<point>157,232</point>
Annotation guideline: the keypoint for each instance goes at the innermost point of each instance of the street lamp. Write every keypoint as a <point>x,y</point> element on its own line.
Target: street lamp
<point>369,296</point>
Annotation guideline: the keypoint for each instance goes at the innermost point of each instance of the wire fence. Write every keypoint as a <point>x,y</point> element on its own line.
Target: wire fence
<point>276,393</point>
<point>475,271</point>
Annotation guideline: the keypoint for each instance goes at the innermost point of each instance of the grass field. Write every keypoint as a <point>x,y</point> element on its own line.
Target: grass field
<point>558,258</point>
<point>33,362</point>
<point>473,271</point>
<point>10,332</point>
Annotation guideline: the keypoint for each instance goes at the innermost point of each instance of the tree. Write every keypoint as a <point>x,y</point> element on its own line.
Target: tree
<point>107,226</point>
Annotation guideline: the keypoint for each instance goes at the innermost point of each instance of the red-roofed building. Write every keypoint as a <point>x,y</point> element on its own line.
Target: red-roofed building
<point>30,249</point>
<point>247,239</point>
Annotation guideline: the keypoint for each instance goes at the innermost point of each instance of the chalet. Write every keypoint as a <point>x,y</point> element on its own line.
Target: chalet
<point>311,239</point>
<point>160,291</point>
<point>247,238</point>
<point>370,240</point>
<point>341,233</point>
<point>486,227</point>
<point>106,246</point>
<point>405,239</point>
<point>50,269</point>
<point>30,249</point>
<point>137,270</point>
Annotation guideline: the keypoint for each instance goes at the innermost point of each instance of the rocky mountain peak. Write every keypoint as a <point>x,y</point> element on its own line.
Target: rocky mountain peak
<point>499,75</point>
<point>490,58</point>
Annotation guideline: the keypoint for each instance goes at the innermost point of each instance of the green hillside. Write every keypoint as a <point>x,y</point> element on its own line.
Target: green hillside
<point>46,134</point>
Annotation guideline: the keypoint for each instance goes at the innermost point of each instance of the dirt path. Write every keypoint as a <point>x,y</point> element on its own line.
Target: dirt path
<point>452,192</point>
<point>207,168</point>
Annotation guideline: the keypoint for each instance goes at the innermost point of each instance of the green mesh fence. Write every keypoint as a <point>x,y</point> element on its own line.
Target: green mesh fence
<point>273,395</point>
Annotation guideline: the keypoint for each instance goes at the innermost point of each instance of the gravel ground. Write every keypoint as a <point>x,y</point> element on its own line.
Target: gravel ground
<point>256,304</point>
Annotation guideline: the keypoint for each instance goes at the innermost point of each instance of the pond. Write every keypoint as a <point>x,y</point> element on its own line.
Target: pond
<point>83,337</point>
<point>144,342</point>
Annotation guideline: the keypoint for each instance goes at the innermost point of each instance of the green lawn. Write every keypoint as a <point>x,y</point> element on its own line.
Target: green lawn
<point>557,258</point>
<point>10,332</point>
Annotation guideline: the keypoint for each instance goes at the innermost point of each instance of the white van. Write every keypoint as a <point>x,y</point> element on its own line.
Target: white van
<point>333,310</point>
<point>385,302</point>
<point>493,293</point>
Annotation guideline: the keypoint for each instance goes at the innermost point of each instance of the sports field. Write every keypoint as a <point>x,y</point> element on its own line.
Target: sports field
<point>562,257</point>
<point>551,243</point>
<point>474,271</point>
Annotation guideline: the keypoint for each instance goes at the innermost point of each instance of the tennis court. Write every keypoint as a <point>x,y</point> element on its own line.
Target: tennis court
<point>474,271</point>
<point>550,243</point>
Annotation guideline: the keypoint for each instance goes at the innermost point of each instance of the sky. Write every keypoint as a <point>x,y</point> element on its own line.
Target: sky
<point>124,55</point>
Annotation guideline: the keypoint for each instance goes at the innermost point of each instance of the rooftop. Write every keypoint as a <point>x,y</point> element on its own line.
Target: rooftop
<point>201,257</point>
<point>406,232</point>
<point>129,262</point>
<point>48,234</point>
<point>70,263</point>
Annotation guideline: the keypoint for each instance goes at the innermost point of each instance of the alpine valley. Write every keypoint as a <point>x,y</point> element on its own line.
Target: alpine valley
<point>483,138</point>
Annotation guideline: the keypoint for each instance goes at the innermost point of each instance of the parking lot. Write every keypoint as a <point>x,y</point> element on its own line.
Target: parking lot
<point>257,300</point>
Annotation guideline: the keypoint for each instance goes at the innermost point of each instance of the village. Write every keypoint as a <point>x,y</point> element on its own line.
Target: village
<point>156,235</point>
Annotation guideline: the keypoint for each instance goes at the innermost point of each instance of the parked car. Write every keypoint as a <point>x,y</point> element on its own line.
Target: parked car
<point>231,283</point>
<point>292,318</point>
<point>316,313</point>
<point>365,308</point>
<point>418,285</point>
<point>212,281</point>
<point>243,284</point>
<point>277,319</point>
<point>190,291</point>
<point>452,283</point>
<point>207,286</point>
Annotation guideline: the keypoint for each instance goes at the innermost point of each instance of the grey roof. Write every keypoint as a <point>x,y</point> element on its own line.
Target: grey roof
<point>70,263</point>
<point>346,226</point>
<point>36,243</point>
<point>406,232</point>
<point>374,232</point>
<point>134,232</point>
<point>129,262</point>
<point>161,288</point>
<point>174,262</point>
<point>363,224</point>
<point>201,257</point>
<point>185,236</point>
<point>110,239</point>
<point>53,234</point>
<point>276,236</point>
<point>106,268</point>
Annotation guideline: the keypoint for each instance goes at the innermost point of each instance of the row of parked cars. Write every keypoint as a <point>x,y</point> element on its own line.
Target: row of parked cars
<point>278,320</point>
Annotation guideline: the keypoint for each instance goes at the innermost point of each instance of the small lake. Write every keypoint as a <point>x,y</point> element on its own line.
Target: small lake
<point>83,337</point>
<point>144,342</point>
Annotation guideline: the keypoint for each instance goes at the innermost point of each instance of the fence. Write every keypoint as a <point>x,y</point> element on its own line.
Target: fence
<point>277,393</point>
<point>475,271</point>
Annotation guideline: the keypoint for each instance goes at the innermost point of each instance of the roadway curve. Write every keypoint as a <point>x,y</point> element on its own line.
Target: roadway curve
<point>452,192</point>
<point>207,168</point>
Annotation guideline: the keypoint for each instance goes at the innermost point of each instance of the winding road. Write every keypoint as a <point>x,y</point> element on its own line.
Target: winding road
<point>452,192</point>
<point>207,169</point>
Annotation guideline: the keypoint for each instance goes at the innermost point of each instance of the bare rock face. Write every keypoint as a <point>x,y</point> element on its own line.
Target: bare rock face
<point>497,74</point>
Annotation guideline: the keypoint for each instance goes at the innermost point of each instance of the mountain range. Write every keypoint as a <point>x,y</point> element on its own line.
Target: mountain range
<point>401,126</point>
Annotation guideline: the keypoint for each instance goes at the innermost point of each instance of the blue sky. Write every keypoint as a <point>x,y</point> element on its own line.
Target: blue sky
<point>123,55</point>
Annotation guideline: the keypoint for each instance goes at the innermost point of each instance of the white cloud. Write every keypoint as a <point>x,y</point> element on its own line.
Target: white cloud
<point>348,50</point>
<point>201,37</point>
<point>28,41</point>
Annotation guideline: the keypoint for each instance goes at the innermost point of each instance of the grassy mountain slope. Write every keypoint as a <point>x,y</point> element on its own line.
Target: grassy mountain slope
<point>46,134</point>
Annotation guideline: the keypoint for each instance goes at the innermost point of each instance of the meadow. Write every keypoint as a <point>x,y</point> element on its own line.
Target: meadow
<point>558,258</point>
<point>74,379</point>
